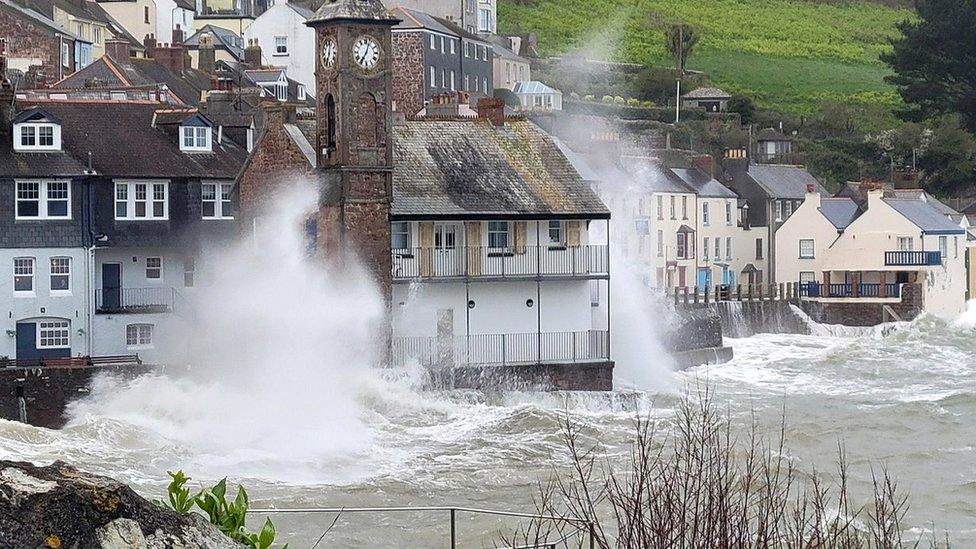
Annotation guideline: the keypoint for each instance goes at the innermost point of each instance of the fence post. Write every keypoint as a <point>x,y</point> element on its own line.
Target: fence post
<point>453,530</point>
<point>574,347</point>
<point>684,292</point>
<point>677,296</point>
<point>750,292</point>
<point>738,292</point>
<point>696,295</point>
<point>707,291</point>
<point>781,295</point>
<point>503,350</point>
<point>592,536</point>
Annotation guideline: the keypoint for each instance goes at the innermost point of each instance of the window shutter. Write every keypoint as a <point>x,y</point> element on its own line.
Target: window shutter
<point>426,248</point>
<point>573,233</point>
<point>521,236</point>
<point>472,240</point>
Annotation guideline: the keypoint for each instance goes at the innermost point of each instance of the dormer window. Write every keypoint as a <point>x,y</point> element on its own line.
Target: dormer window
<point>36,130</point>
<point>196,138</point>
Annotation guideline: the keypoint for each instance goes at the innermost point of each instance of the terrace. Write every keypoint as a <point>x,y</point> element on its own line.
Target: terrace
<point>519,262</point>
<point>503,349</point>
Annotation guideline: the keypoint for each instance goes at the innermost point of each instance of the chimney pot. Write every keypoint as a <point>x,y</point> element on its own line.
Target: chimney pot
<point>809,188</point>
<point>493,110</point>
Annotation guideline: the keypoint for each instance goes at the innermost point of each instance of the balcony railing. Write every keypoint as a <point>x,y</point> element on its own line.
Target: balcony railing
<point>816,289</point>
<point>512,262</point>
<point>134,300</point>
<point>503,349</point>
<point>904,258</point>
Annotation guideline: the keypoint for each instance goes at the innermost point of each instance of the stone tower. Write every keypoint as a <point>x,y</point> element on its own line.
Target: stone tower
<point>354,144</point>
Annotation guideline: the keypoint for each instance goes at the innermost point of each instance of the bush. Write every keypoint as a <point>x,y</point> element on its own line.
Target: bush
<point>607,99</point>
<point>508,96</point>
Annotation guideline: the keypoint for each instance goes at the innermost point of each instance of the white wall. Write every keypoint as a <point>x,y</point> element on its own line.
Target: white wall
<point>168,15</point>
<point>723,228</point>
<point>43,304</point>
<point>299,62</point>
<point>805,223</point>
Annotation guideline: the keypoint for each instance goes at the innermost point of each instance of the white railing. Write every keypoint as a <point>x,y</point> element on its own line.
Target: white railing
<point>508,262</point>
<point>503,349</point>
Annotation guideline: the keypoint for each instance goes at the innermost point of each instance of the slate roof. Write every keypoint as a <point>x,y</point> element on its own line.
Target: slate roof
<point>707,93</point>
<point>111,73</point>
<point>368,10</point>
<point>839,211</point>
<point>301,10</point>
<point>782,181</point>
<point>925,216</point>
<point>703,184</point>
<point>223,38</point>
<point>40,18</point>
<point>649,177</point>
<point>770,134</point>
<point>456,29</point>
<point>415,20</point>
<point>123,143</point>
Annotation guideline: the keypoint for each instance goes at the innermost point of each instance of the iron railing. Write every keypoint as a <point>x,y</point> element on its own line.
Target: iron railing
<point>584,528</point>
<point>906,258</point>
<point>134,300</point>
<point>509,262</point>
<point>817,289</point>
<point>503,349</point>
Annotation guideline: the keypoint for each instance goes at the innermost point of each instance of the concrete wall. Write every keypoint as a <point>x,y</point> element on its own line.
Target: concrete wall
<point>299,62</point>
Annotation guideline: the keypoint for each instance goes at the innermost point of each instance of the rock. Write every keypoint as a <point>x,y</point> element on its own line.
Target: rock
<point>60,507</point>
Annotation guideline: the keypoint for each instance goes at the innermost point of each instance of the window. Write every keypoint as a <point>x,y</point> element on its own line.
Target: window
<point>806,248</point>
<point>53,334</point>
<point>467,49</point>
<point>60,274</point>
<point>759,248</point>
<point>681,245</point>
<point>452,47</point>
<point>452,81</point>
<point>906,244</point>
<point>556,234</point>
<point>216,201</point>
<point>145,14</point>
<point>443,45</point>
<point>139,336</point>
<point>189,272</point>
<point>301,92</point>
<point>660,207</point>
<point>684,207</point>
<point>498,234</point>
<point>433,77</point>
<point>65,55</point>
<point>154,268</point>
<point>141,200</point>
<point>789,208</point>
<point>728,213</point>
<point>37,137</point>
<point>195,138</point>
<point>484,20</point>
<point>432,44</point>
<point>281,45</point>
<point>807,277</point>
<point>718,250</point>
<point>705,213</point>
<point>944,248</point>
<point>642,226</point>
<point>660,243</point>
<point>43,200</point>
<point>97,35</point>
<point>672,208</point>
<point>728,248</point>
<point>467,82</point>
<point>779,210</point>
<point>705,248</point>
<point>955,247</point>
<point>484,85</point>
<point>400,235</point>
<point>24,274</point>
<point>443,78</point>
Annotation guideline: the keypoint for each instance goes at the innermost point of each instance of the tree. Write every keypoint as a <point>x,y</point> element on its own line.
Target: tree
<point>743,105</point>
<point>935,61</point>
<point>680,41</point>
<point>948,162</point>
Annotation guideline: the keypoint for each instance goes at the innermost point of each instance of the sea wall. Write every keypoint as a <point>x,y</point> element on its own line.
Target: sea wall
<point>746,318</point>
<point>694,337</point>
<point>588,376</point>
<point>853,313</point>
<point>41,394</point>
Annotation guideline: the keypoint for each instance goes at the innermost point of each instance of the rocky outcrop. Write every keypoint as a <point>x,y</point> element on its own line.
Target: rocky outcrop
<point>60,507</point>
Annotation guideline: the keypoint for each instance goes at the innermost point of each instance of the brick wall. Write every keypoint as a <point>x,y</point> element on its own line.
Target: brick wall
<point>29,40</point>
<point>408,72</point>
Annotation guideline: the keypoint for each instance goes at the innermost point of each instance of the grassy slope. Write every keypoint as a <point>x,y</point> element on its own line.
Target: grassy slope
<point>789,54</point>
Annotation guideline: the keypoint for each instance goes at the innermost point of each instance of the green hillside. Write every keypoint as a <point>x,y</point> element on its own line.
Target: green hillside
<point>787,54</point>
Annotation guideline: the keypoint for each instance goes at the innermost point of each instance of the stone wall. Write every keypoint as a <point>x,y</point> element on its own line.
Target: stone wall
<point>852,313</point>
<point>408,72</point>
<point>26,39</point>
<point>47,391</point>
<point>595,376</point>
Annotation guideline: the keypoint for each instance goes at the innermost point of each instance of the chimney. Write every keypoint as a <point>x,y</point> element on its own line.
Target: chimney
<point>207,56</point>
<point>6,91</point>
<point>150,43</point>
<point>875,195</point>
<point>493,110</point>
<point>252,54</point>
<point>174,57</point>
<point>705,163</point>
<point>178,36</point>
<point>118,49</point>
<point>813,195</point>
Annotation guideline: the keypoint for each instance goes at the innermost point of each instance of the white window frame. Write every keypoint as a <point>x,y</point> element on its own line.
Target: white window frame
<point>433,42</point>
<point>453,51</point>
<point>718,248</point>
<point>556,234</point>
<point>281,45</point>
<point>433,77</point>
<point>944,248</point>
<point>34,129</point>
<point>728,212</point>
<point>778,206</point>
<point>906,243</point>
<point>728,248</point>
<point>130,199</point>
<point>809,253</point>
<point>400,229</point>
<point>220,196</point>
<point>499,228</point>
<point>57,332</point>
<point>43,197</point>
<point>705,248</point>
<point>62,270</point>
<point>452,80</point>
<point>27,268</point>
<point>660,243</point>
<point>705,216</point>
<point>302,94</point>
<point>139,336</point>
<point>196,138</point>
<point>807,276</point>
<point>150,267</point>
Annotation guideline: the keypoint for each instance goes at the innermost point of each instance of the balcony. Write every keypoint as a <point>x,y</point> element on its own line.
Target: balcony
<point>519,262</point>
<point>864,290</point>
<point>503,349</point>
<point>903,258</point>
<point>134,300</point>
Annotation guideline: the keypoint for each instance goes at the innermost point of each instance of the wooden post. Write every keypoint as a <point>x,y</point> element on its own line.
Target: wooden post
<point>781,296</point>
<point>855,284</point>
<point>750,292</point>
<point>883,289</point>
<point>684,290</point>
<point>760,292</point>
<point>677,296</point>
<point>738,292</point>
<point>707,290</point>
<point>696,295</point>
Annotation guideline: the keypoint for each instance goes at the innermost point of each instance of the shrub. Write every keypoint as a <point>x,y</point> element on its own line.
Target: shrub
<point>607,99</point>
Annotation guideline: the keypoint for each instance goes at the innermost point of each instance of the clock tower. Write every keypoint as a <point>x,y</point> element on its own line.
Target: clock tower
<point>354,144</point>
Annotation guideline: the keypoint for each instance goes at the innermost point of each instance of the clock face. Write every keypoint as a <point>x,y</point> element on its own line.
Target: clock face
<point>366,52</point>
<point>329,52</point>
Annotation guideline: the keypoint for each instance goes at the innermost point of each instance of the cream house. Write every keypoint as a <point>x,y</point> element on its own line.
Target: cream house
<point>892,248</point>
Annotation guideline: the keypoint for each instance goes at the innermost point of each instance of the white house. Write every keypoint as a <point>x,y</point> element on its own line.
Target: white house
<point>894,249</point>
<point>286,41</point>
<point>718,224</point>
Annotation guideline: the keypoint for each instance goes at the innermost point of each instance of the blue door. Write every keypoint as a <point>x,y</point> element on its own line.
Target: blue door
<point>704,277</point>
<point>727,277</point>
<point>111,286</point>
<point>27,344</point>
